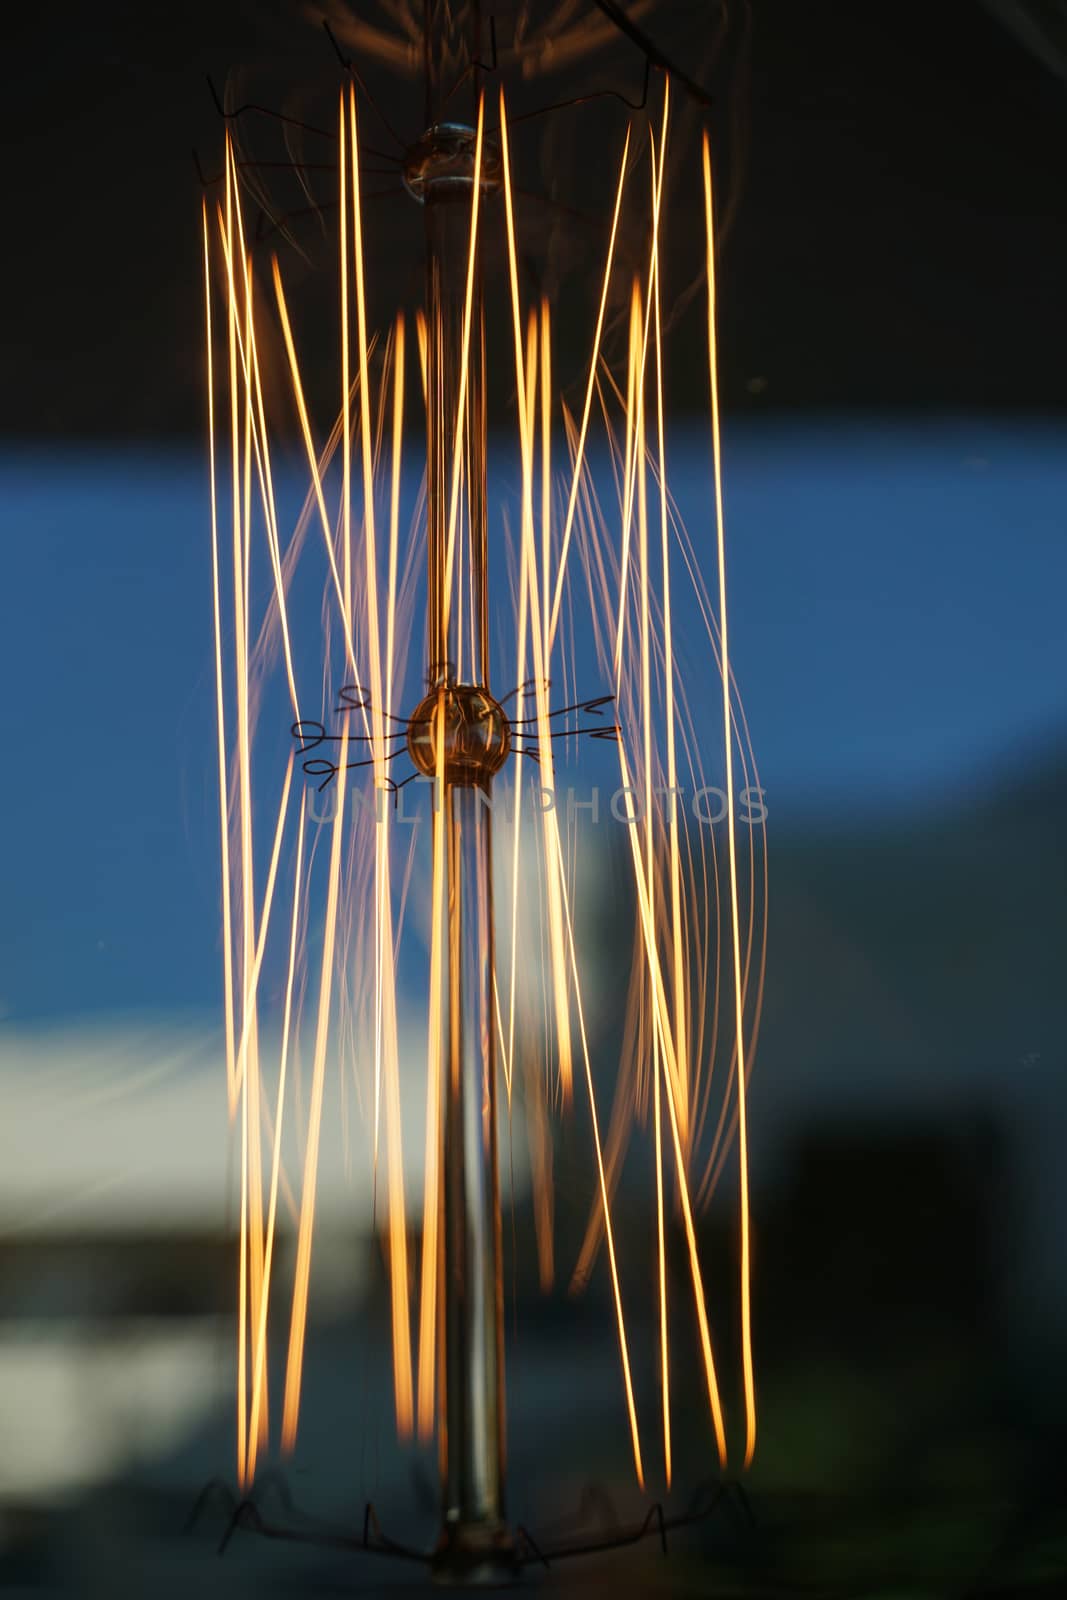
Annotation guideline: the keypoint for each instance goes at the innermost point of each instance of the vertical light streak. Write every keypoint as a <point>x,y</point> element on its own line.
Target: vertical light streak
<point>546,464</point>
<point>661,1017</point>
<point>250,1029</point>
<point>385,953</point>
<point>259,1382</point>
<point>464,370</point>
<point>634,380</point>
<point>313,463</point>
<point>261,440</point>
<point>298,1321</point>
<point>727,1124</point>
<point>431,1266</point>
<point>220,712</point>
<point>557,598</point>
<point>242,1301</point>
<point>666,1070</point>
<point>252,1239</point>
<point>742,1129</point>
<point>421,338</point>
<point>665,1365</point>
<point>678,960</point>
<point>550,826</point>
<point>538,1132</point>
<point>639,376</point>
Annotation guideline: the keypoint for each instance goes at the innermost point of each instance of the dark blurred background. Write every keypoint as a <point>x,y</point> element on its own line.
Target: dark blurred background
<point>898,210</point>
<point>893,348</point>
